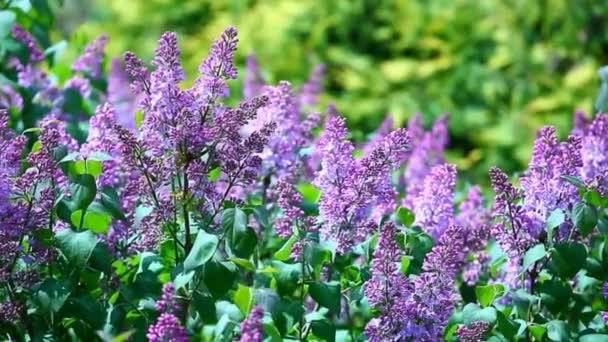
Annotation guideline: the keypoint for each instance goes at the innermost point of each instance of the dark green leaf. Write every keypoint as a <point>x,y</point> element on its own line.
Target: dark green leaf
<point>324,329</point>
<point>111,201</point>
<point>558,331</point>
<point>83,191</point>
<point>219,276</point>
<point>287,275</point>
<point>585,217</point>
<point>243,245</point>
<point>52,295</point>
<point>327,294</point>
<point>77,247</point>
<point>574,181</point>
<point>568,258</point>
<point>533,255</point>
<point>203,249</point>
<point>205,306</point>
<point>234,221</point>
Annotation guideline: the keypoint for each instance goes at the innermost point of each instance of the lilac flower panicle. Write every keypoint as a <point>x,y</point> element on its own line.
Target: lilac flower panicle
<point>20,34</point>
<point>351,188</point>
<point>167,302</point>
<point>119,94</point>
<point>167,329</point>
<point>90,61</point>
<point>254,82</point>
<point>426,153</point>
<point>475,332</point>
<point>594,145</point>
<point>140,75</point>
<point>310,91</point>
<point>11,312</point>
<point>475,218</point>
<point>289,200</point>
<point>10,98</point>
<point>220,63</point>
<point>251,328</point>
<point>166,58</point>
<point>544,188</point>
<point>433,207</point>
<point>385,128</point>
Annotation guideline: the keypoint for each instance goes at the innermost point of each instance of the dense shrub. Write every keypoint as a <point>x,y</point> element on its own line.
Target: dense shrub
<point>169,215</point>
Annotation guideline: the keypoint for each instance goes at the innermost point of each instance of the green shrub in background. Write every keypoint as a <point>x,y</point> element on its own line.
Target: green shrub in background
<point>501,68</point>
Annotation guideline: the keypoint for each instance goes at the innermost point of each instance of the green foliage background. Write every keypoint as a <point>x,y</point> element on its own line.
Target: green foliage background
<point>501,68</point>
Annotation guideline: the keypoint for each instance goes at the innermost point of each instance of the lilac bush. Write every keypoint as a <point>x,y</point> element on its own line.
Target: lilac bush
<point>132,207</point>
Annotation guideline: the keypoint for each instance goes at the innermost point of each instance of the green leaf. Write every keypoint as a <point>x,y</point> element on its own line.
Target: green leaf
<point>111,201</point>
<point>7,19</point>
<point>83,191</point>
<point>243,298</point>
<point>94,221</point>
<point>486,294</point>
<point>287,275</point>
<point>244,263</point>
<point>243,245</point>
<point>324,330</point>
<point>533,255</point>
<point>584,217</point>
<point>76,246</point>
<point>139,118</point>
<point>558,331</point>
<point>183,279</point>
<point>327,294</point>
<point>309,192</point>
<point>224,329</point>
<point>203,249</point>
<point>52,295</point>
<point>568,258</point>
<point>91,167</point>
<point>205,306</point>
<point>574,181</point>
<point>234,221</point>
<point>554,293</point>
<point>538,331</point>
<point>214,173</point>
<point>506,326</point>
<point>554,220</point>
<point>593,338</point>
<point>406,216</point>
<point>219,276</point>
<point>285,251</point>
<point>594,198</point>
<point>472,312</point>
<point>406,260</point>
<point>602,225</point>
<point>37,146</point>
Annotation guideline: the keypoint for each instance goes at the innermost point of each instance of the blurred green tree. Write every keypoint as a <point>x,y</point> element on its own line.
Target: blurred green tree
<point>501,68</point>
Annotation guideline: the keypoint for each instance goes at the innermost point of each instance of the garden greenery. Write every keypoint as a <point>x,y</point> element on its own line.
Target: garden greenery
<point>134,208</point>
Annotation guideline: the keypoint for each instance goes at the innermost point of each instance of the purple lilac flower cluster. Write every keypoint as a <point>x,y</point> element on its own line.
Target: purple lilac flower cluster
<point>352,189</point>
<point>251,328</point>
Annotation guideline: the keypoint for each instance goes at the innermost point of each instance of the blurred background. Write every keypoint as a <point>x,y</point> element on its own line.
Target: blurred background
<point>501,68</point>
